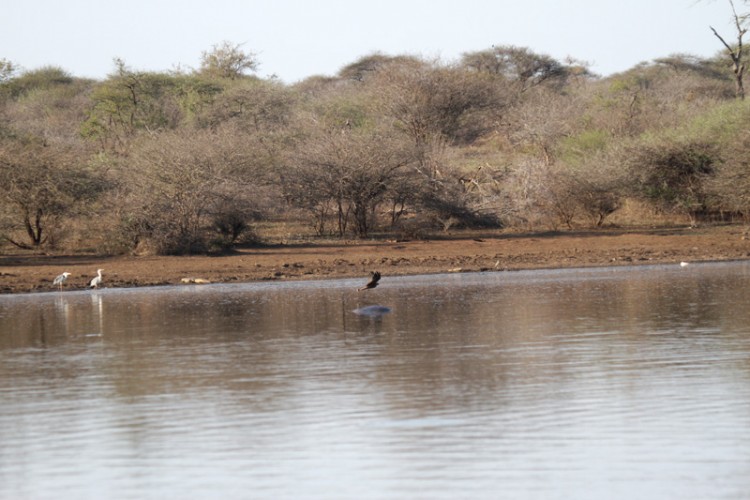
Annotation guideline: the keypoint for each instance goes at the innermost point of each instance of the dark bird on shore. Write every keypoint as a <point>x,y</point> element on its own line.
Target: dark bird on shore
<point>373,281</point>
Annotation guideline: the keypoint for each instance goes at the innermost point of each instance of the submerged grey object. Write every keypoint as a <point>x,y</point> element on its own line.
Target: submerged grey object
<point>372,310</point>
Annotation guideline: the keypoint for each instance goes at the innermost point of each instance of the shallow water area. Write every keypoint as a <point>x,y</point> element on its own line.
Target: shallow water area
<point>581,383</point>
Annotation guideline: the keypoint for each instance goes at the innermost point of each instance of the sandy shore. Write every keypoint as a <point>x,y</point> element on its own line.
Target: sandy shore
<point>21,273</point>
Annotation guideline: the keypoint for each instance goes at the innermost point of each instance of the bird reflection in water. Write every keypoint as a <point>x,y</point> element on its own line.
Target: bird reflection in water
<point>374,311</point>
<point>98,310</point>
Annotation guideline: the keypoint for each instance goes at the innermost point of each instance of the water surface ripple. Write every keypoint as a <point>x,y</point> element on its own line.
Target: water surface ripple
<point>599,383</point>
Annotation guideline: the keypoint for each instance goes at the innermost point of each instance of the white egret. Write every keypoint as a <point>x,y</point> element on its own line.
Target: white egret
<point>59,280</point>
<point>97,279</point>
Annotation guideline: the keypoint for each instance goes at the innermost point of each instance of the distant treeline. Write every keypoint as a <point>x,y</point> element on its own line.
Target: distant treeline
<point>190,161</point>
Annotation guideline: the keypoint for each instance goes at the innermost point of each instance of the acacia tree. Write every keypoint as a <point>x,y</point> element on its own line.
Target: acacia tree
<point>47,103</point>
<point>592,189</point>
<point>370,65</point>
<point>256,106</point>
<point>438,105</point>
<point>126,103</point>
<point>729,189</point>
<point>188,191</point>
<point>671,173</point>
<point>349,169</point>
<point>133,102</point>
<point>227,60</point>
<point>519,66</point>
<point>43,184</point>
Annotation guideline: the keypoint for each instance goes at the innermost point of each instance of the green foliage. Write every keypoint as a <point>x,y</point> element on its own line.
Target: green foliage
<point>345,114</point>
<point>42,78</point>
<point>686,63</point>
<point>194,95</point>
<point>575,148</point>
<point>130,102</point>
<point>672,173</point>
<point>722,123</point>
<point>630,82</point>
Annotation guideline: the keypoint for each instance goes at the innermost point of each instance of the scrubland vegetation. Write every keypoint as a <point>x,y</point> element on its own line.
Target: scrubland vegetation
<point>191,161</point>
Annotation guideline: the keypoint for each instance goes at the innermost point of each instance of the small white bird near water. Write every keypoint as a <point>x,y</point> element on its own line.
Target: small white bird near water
<point>59,280</point>
<point>97,279</point>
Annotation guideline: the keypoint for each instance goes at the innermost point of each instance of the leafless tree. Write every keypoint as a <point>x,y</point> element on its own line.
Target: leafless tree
<point>439,104</point>
<point>736,52</point>
<point>43,184</point>
<point>350,169</point>
<point>187,188</point>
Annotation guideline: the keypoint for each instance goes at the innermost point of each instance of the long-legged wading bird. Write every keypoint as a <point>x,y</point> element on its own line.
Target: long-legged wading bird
<point>97,279</point>
<point>59,280</point>
<point>373,281</point>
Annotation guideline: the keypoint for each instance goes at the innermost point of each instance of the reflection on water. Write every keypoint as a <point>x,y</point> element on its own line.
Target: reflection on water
<point>610,383</point>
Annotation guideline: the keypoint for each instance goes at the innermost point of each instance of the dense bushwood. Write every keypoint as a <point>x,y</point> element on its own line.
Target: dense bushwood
<point>43,184</point>
<point>188,161</point>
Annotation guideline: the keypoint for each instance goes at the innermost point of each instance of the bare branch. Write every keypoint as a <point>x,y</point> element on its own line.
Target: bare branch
<point>729,48</point>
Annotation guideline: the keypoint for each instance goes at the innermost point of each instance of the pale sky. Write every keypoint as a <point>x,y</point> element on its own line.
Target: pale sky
<point>294,39</point>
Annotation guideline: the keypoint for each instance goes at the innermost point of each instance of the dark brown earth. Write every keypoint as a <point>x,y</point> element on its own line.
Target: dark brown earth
<point>500,251</point>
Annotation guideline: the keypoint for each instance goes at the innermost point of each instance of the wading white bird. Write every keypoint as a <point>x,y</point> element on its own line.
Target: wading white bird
<point>61,279</point>
<point>97,279</point>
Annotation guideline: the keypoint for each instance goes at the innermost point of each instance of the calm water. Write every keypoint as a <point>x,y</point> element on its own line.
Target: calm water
<point>610,383</point>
